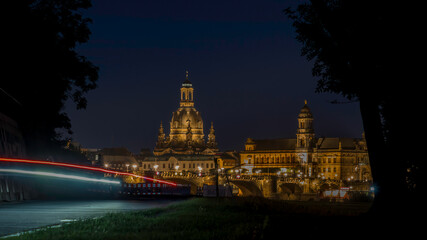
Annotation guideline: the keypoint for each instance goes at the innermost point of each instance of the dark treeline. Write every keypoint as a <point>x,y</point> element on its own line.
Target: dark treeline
<point>42,70</point>
<point>365,51</point>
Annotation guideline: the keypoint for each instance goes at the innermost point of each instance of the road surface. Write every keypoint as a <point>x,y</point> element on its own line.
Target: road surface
<point>24,216</point>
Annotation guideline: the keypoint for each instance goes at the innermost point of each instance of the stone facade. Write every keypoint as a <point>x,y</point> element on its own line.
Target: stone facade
<point>307,156</point>
<point>185,148</point>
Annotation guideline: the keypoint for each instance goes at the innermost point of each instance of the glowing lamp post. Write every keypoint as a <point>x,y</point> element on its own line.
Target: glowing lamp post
<point>200,170</point>
<point>134,167</point>
<point>176,169</point>
<point>127,167</point>
<point>155,169</point>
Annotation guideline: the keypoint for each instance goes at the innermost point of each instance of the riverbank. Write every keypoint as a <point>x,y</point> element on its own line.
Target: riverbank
<point>202,218</point>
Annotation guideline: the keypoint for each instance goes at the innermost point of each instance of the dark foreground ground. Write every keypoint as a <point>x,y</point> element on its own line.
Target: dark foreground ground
<point>16,217</point>
<point>238,218</point>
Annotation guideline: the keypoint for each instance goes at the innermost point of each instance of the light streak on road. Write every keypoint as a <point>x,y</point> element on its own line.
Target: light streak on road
<point>57,175</point>
<point>84,167</point>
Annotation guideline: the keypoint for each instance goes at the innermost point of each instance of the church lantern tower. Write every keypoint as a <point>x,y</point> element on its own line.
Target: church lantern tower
<point>187,93</point>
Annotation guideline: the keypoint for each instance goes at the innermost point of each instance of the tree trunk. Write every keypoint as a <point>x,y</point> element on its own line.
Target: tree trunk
<point>375,141</point>
<point>391,206</point>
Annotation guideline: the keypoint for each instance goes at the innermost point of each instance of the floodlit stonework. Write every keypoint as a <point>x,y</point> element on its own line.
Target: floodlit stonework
<point>185,148</point>
<point>344,159</point>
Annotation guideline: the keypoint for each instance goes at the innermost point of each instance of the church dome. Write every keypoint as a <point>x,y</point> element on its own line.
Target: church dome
<point>183,116</point>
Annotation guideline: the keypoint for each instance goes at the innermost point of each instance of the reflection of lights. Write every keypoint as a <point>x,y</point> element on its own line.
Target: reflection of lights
<point>58,175</point>
<point>83,167</point>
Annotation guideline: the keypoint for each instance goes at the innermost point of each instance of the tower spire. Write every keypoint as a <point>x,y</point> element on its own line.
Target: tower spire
<point>305,130</point>
<point>160,136</point>
<point>211,137</point>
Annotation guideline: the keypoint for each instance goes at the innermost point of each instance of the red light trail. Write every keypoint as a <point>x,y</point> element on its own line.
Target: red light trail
<point>83,167</point>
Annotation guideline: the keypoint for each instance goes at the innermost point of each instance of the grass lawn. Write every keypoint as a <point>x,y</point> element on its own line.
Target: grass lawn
<point>210,218</point>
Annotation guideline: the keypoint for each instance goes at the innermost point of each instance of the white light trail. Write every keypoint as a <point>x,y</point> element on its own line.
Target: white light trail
<point>58,175</point>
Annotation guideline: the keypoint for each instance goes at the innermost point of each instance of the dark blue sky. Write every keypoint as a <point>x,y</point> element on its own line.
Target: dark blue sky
<point>244,62</point>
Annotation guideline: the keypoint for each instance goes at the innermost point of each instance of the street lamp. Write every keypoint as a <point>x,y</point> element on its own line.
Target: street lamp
<point>176,169</point>
<point>155,169</point>
<point>134,167</point>
<point>106,165</point>
<point>127,167</point>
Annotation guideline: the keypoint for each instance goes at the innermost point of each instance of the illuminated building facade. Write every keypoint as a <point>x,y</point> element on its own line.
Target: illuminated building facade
<point>185,148</point>
<point>307,156</point>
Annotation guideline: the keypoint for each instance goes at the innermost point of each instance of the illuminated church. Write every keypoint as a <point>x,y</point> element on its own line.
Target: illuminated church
<point>186,129</point>
<point>185,148</point>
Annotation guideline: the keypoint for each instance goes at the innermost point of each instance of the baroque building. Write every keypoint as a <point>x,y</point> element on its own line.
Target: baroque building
<point>307,156</point>
<point>185,148</point>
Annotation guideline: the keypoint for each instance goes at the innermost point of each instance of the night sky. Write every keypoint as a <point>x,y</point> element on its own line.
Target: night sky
<point>243,60</point>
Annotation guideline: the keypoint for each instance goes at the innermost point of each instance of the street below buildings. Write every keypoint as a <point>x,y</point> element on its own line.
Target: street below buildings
<point>24,216</point>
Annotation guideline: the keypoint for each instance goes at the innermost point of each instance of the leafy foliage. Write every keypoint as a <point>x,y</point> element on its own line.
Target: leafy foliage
<point>363,51</point>
<point>44,68</point>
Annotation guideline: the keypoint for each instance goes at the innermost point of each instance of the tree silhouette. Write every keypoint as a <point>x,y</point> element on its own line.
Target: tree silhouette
<point>359,50</point>
<point>43,68</point>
